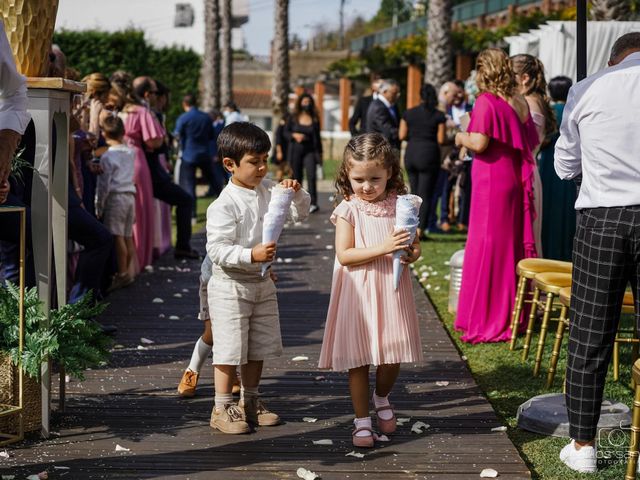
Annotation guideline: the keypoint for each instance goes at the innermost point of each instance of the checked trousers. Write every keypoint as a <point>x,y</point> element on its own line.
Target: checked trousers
<point>606,258</point>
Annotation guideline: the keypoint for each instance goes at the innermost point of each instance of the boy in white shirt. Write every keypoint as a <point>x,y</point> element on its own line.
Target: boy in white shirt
<point>115,197</point>
<point>242,302</point>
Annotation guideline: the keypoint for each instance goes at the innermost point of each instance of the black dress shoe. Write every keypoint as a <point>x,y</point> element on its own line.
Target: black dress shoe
<point>110,330</point>
<point>190,254</point>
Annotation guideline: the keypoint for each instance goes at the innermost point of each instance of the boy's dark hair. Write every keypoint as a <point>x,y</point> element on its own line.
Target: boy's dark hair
<point>559,88</point>
<point>190,100</point>
<point>112,127</point>
<point>240,138</point>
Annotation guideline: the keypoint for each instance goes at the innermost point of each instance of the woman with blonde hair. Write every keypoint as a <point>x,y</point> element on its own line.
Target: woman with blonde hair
<point>96,96</point>
<point>502,136</point>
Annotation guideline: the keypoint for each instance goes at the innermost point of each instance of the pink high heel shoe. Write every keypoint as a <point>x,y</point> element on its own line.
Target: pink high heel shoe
<point>386,426</point>
<point>366,441</point>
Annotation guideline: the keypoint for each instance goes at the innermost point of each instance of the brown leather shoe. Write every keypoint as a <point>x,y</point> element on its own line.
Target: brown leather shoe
<point>229,419</point>
<point>257,414</point>
<point>188,383</point>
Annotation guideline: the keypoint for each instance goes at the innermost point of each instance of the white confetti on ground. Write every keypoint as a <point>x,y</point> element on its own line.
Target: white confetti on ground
<point>424,275</point>
<point>177,295</point>
<point>437,288</point>
<point>120,448</point>
<point>161,315</point>
<point>320,378</point>
<point>7,477</point>
<point>300,358</point>
<point>174,317</point>
<point>442,383</point>
<point>60,467</point>
<point>488,473</point>
<point>279,260</point>
<point>325,257</point>
<point>420,258</point>
<point>288,260</point>
<point>428,286</point>
<point>324,441</point>
<point>318,237</point>
<point>402,420</point>
<point>447,277</point>
<point>169,280</point>
<point>306,474</point>
<point>4,454</point>
<point>140,347</point>
<point>329,247</point>
<point>146,341</point>
<point>309,419</point>
<point>382,438</point>
<point>355,454</point>
<point>499,429</point>
<point>419,427</point>
<point>157,300</point>
<point>148,268</point>
<point>185,290</point>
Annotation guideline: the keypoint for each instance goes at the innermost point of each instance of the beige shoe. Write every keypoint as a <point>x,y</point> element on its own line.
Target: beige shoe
<point>229,419</point>
<point>188,383</point>
<point>257,414</point>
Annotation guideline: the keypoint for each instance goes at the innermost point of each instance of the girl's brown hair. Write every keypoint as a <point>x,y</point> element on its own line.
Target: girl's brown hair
<point>532,66</point>
<point>97,85</point>
<point>495,73</point>
<point>370,147</point>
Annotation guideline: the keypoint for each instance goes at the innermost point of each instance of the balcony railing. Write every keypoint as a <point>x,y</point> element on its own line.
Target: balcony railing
<point>461,13</point>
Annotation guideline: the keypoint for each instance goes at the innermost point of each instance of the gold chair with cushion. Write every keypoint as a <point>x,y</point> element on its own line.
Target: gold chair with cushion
<point>632,461</point>
<point>549,283</point>
<point>563,323</point>
<point>527,269</point>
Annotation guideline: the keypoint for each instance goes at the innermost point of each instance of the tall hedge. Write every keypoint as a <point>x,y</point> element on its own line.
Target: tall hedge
<point>91,51</point>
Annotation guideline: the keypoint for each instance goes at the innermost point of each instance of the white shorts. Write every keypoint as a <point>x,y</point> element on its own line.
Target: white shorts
<point>120,213</point>
<point>203,314</point>
<point>244,320</point>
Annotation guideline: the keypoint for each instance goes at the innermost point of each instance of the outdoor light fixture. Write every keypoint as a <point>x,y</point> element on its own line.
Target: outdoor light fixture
<point>184,15</point>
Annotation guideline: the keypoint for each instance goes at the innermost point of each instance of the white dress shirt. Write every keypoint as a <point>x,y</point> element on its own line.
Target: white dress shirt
<point>234,224</point>
<point>600,136</point>
<point>118,173</point>
<point>13,90</point>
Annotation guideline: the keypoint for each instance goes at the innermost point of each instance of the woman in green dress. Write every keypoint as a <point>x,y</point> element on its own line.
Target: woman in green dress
<point>558,196</point>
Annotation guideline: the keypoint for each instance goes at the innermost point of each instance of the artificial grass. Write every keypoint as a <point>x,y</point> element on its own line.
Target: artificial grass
<point>507,382</point>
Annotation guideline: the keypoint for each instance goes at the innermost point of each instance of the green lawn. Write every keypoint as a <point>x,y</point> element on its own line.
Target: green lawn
<point>505,380</point>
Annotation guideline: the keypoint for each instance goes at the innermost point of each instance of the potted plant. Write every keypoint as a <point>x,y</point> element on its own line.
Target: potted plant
<point>70,339</point>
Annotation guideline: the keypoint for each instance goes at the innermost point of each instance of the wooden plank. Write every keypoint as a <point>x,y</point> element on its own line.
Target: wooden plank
<point>132,401</point>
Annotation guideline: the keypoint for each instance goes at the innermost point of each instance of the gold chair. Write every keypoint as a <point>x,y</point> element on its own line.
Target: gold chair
<point>632,462</point>
<point>563,322</point>
<point>526,270</point>
<point>549,283</point>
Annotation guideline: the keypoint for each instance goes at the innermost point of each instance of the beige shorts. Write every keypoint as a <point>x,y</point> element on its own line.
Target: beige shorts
<point>244,320</point>
<point>120,214</point>
<point>203,314</point>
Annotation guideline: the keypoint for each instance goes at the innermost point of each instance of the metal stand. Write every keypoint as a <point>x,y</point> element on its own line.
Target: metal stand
<point>12,408</point>
<point>49,106</point>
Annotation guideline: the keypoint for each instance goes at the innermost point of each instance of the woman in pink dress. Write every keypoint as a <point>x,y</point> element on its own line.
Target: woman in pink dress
<point>502,135</point>
<point>369,322</point>
<point>142,131</point>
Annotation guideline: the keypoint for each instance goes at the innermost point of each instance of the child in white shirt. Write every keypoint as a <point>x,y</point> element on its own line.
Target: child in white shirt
<point>115,197</point>
<point>242,302</point>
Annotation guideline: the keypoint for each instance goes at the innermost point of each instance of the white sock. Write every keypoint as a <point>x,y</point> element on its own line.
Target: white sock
<point>363,423</point>
<point>248,392</point>
<point>223,399</point>
<point>382,402</point>
<point>200,353</point>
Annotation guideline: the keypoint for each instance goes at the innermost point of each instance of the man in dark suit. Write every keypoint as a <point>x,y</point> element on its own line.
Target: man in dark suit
<point>361,109</point>
<point>382,116</point>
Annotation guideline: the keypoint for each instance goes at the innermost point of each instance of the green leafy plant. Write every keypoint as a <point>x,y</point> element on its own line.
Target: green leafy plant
<point>19,165</point>
<point>70,339</point>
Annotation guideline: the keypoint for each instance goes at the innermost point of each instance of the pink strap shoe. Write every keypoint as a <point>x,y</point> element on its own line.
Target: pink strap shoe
<point>386,426</point>
<point>365,441</point>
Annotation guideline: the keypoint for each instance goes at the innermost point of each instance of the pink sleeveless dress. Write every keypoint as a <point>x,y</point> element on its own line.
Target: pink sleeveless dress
<point>501,220</point>
<point>368,322</point>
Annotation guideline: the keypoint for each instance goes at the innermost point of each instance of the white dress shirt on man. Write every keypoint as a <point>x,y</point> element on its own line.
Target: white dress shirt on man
<point>600,136</point>
<point>234,224</point>
<point>13,90</point>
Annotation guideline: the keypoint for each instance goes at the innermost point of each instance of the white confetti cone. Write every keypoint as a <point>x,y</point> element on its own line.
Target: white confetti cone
<point>407,218</point>
<point>276,217</point>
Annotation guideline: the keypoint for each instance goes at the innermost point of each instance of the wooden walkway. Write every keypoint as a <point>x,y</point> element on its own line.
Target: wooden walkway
<point>132,402</point>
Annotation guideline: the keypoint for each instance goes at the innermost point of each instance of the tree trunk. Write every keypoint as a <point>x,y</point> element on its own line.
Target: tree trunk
<point>610,10</point>
<point>280,52</point>
<point>210,75</point>
<point>226,81</point>
<point>439,61</point>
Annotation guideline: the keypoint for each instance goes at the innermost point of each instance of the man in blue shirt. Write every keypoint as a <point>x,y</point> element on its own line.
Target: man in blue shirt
<point>195,130</point>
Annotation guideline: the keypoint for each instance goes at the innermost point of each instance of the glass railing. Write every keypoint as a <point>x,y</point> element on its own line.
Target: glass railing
<point>461,13</point>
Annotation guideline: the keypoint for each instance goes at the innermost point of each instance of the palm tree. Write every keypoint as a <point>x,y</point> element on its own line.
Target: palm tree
<point>210,74</point>
<point>280,53</point>
<point>439,62</point>
<point>226,67</point>
<point>610,9</point>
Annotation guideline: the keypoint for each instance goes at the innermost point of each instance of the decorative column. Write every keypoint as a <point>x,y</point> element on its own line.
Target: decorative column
<point>345,101</point>
<point>414,83</point>
<point>318,91</point>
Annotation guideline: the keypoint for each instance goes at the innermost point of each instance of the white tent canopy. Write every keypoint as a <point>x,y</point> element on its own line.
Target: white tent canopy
<point>554,43</point>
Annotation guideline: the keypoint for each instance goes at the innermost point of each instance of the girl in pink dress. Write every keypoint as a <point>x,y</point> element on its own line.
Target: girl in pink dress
<point>369,322</point>
<point>502,135</point>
